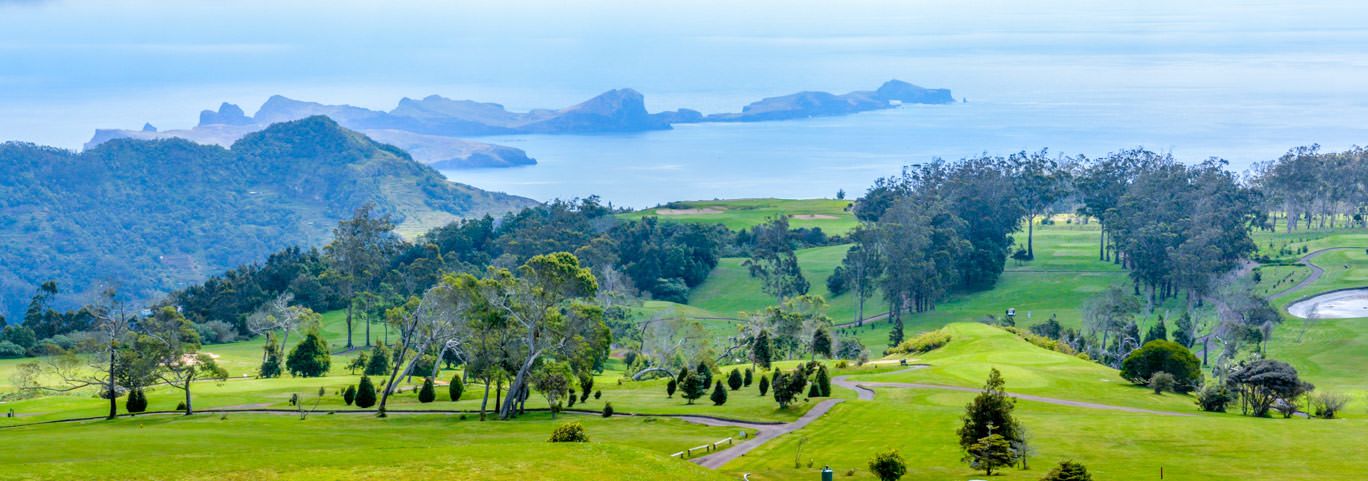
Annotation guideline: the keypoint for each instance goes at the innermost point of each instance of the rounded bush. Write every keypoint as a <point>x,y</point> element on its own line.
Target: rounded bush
<point>569,433</point>
<point>1163,356</point>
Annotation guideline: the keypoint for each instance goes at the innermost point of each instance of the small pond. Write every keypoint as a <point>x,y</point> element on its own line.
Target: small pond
<point>1345,304</point>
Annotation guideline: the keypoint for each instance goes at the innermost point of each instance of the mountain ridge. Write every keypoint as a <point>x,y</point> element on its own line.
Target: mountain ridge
<point>156,214</point>
<point>433,127</point>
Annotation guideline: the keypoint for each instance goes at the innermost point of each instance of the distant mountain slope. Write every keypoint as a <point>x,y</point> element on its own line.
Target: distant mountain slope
<point>154,215</point>
<point>431,128</point>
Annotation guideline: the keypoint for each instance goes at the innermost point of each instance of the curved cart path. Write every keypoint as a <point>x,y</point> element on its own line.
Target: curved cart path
<point>1316,271</point>
<point>1028,397</point>
<point>767,432</point>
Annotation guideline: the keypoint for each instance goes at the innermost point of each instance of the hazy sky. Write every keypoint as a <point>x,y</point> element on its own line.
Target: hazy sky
<point>68,67</point>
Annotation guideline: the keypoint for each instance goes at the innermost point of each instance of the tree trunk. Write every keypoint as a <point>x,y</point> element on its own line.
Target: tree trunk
<point>517,387</point>
<point>188,408</point>
<point>1030,237</point>
<point>350,303</point>
<point>368,322</point>
<point>484,402</point>
<point>113,395</point>
<point>1102,245</point>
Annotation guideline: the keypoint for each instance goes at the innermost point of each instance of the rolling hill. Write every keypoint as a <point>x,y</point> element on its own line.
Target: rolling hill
<point>151,216</point>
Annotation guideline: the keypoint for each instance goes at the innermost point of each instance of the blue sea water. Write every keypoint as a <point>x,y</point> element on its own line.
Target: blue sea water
<point>816,157</point>
<point>1242,80</point>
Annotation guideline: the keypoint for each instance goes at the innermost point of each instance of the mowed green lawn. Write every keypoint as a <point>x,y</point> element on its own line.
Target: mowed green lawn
<point>1064,274</point>
<point>974,349</point>
<point>351,447</point>
<point>921,423</point>
<point>829,214</point>
<point>1328,352</point>
<point>731,291</point>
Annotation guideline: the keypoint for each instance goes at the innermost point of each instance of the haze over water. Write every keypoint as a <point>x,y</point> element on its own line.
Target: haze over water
<point>1239,80</point>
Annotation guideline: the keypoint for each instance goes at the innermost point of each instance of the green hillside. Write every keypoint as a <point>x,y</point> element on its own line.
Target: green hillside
<point>154,216</point>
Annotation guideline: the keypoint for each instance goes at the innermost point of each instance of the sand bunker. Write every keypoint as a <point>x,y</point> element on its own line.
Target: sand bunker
<point>813,217</point>
<point>1346,304</point>
<point>703,211</point>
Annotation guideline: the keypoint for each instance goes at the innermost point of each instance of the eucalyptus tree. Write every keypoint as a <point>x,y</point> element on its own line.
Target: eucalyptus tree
<point>437,321</point>
<point>862,267</point>
<point>1109,312</point>
<point>1039,183</point>
<point>171,343</point>
<point>358,252</point>
<point>547,315</point>
<point>774,261</point>
<point>101,361</point>
<point>277,316</point>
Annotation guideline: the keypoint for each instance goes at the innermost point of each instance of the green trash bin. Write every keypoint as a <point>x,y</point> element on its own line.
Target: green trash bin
<point>826,473</point>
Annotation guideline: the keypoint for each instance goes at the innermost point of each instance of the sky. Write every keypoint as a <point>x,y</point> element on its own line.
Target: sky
<point>69,67</point>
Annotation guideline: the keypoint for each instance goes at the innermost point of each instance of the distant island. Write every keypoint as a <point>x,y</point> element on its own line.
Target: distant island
<point>433,129</point>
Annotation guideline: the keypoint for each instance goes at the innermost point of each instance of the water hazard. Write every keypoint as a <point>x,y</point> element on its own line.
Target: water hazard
<point>1345,304</point>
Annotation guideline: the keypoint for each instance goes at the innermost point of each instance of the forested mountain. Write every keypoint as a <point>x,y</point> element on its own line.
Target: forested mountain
<point>152,216</point>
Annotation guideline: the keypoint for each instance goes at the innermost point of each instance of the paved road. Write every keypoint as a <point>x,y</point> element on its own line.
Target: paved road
<point>1316,271</point>
<point>1028,397</point>
<point>765,432</point>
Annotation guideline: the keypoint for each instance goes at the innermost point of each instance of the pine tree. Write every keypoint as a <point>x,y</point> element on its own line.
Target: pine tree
<point>705,373</point>
<point>349,395</point>
<point>693,388</point>
<point>310,358</point>
<point>991,452</point>
<point>761,353</point>
<point>990,413</point>
<point>428,393</point>
<point>1156,332</point>
<point>821,343</point>
<point>764,385</point>
<point>895,336</point>
<point>271,363</point>
<point>670,388</point>
<point>1068,471</point>
<point>136,402</point>
<point>823,382</point>
<point>456,387</point>
<point>719,394</point>
<point>379,362</point>
<point>1183,331</point>
<point>365,393</point>
<point>746,381</point>
<point>734,379</point>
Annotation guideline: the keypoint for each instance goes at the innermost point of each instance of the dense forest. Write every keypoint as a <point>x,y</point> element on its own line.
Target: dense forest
<point>149,217</point>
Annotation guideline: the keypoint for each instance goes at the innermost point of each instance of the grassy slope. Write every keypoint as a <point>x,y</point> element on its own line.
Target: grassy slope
<point>1327,351</point>
<point>1114,445</point>
<point>1065,273</point>
<point>744,213</point>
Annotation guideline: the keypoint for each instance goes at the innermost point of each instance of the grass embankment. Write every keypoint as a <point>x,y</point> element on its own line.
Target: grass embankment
<point>921,423</point>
